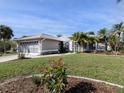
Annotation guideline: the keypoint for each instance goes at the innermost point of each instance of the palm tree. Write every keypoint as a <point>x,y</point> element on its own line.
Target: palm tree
<point>112,41</point>
<point>102,34</point>
<point>6,33</point>
<point>83,38</point>
<point>92,42</point>
<point>1,47</point>
<point>118,29</point>
<point>91,37</point>
<point>76,36</point>
<point>80,37</point>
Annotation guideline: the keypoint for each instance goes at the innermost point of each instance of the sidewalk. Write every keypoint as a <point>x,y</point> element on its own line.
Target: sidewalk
<point>50,55</point>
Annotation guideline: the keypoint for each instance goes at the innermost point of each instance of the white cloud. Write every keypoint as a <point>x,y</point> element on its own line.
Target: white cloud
<point>36,24</point>
<point>27,16</point>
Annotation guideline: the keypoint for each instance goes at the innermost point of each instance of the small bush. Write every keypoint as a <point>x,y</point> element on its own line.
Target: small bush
<point>63,48</point>
<point>54,77</point>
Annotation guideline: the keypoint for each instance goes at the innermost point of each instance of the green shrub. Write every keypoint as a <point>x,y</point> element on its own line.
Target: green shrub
<point>62,48</point>
<point>54,77</point>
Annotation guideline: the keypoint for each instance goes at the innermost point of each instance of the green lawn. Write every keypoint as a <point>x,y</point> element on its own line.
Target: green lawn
<point>109,68</point>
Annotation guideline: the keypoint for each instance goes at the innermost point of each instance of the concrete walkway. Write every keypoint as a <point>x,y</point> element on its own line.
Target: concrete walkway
<point>13,57</point>
<point>8,58</point>
<point>50,55</point>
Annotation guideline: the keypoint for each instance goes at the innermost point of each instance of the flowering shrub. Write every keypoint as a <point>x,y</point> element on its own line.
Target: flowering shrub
<point>54,77</point>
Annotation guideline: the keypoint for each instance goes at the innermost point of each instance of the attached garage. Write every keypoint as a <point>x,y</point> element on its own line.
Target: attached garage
<point>37,45</point>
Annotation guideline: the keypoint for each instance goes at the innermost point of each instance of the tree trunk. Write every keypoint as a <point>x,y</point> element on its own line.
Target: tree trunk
<point>4,46</point>
<point>105,44</point>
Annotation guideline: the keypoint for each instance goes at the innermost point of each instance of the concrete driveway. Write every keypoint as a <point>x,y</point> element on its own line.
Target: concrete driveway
<point>8,58</point>
<point>13,57</point>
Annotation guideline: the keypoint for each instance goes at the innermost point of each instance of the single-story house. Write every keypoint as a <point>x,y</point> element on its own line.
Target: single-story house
<point>74,46</point>
<point>85,47</point>
<point>44,43</point>
<point>39,44</point>
<point>67,42</point>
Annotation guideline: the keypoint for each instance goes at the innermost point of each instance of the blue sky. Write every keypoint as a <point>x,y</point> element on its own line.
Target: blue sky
<point>32,17</point>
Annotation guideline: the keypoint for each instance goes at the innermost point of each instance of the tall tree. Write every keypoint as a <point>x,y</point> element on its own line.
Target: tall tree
<point>112,41</point>
<point>79,37</point>
<point>103,35</point>
<point>118,30</point>
<point>84,39</point>
<point>6,33</point>
<point>118,27</point>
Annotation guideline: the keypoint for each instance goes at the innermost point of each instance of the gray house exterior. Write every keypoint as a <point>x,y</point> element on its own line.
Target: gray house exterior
<point>39,44</point>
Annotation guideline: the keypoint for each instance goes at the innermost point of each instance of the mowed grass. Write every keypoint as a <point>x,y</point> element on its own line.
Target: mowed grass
<point>108,68</point>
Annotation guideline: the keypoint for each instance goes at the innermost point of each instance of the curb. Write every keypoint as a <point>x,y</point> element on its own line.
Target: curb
<point>99,81</point>
<point>78,77</point>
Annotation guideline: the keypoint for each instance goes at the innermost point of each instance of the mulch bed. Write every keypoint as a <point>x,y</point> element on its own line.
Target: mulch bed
<point>25,85</point>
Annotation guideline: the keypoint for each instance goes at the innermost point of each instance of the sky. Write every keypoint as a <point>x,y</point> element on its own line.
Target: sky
<point>33,17</point>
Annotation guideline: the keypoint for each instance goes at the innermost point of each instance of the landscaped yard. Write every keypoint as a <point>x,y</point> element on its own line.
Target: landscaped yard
<point>103,67</point>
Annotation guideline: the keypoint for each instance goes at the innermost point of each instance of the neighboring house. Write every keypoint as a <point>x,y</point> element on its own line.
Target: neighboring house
<point>85,47</point>
<point>68,43</point>
<point>119,36</point>
<point>76,47</point>
<point>44,44</point>
<point>100,46</point>
<point>73,46</point>
<point>39,44</point>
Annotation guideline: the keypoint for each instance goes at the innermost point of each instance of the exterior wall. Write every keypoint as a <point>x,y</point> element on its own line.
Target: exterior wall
<point>76,47</point>
<point>68,45</point>
<point>100,47</point>
<point>122,37</point>
<point>50,46</point>
<point>82,48</point>
<point>38,47</point>
<point>71,46</point>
